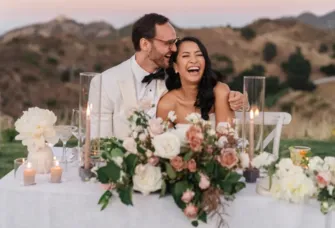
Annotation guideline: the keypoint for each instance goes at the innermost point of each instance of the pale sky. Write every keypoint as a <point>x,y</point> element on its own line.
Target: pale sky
<point>184,13</point>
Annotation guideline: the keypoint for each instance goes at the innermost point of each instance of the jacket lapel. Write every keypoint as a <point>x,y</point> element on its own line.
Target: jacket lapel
<point>128,90</point>
<point>161,88</point>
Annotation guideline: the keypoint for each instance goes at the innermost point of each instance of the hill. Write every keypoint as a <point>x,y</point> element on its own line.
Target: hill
<point>40,63</point>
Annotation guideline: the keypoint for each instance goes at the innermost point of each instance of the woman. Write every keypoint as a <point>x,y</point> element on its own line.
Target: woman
<point>193,86</point>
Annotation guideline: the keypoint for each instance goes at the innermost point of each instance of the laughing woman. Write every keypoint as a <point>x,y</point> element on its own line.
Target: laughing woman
<point>193,86</point>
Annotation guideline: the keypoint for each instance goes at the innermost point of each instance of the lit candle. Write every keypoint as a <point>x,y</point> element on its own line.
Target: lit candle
<point>29,175</point>
<point>87,138</point>
<point>56,173</point>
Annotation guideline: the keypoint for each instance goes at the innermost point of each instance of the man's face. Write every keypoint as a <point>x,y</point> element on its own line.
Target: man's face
<point>162,45</point>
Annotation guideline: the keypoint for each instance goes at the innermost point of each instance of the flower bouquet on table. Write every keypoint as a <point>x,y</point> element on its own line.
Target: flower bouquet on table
<point>36,129</point>
<point>322,172</point>
<point>152,158</point>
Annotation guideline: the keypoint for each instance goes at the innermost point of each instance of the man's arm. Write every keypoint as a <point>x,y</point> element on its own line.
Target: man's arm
<point>236,101</point>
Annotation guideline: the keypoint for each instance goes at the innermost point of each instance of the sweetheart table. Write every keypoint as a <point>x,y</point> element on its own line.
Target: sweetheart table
<point>73,204</point>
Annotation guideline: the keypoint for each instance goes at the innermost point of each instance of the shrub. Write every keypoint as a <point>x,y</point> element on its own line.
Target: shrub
<point>328,70</point>
<point>269,51</point>
<point>323,48</point>
<point>248,33</point>
<point>8,135</point>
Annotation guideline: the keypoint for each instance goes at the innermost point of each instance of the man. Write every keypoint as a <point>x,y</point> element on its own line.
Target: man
<point>129,83</point>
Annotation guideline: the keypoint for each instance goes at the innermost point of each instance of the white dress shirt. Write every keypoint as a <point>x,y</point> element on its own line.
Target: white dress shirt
<point>144,91</point>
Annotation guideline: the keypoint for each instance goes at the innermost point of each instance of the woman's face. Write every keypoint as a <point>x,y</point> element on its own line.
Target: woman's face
<point>190,63</point>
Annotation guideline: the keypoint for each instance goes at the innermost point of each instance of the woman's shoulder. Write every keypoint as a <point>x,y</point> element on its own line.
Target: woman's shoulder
<point>168,101</point>
<point>221,88</point>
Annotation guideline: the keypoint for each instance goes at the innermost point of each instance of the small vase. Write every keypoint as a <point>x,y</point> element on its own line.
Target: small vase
<point>41,159</point>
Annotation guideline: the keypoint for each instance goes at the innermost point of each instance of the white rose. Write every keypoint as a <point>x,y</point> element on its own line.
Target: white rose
<point>148,153</point>
<point>172,116</point>
<point>142,137</point>
<point>330,163</point>
<point>147,178</point>
<point>138,129</point>
<point>130,145</point>
<point>245,160</point>
<point>167,145</point>
<point>223,128</point>
<point>134,134</point>
<point>315,163</point>
<point>262,160</point>
<point>193,118</point>
<point>330,189</point>
<point>222,141</point>
<point>211,132</point>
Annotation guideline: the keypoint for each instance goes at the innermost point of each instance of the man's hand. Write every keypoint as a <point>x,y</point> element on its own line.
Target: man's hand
<point>236,100</point>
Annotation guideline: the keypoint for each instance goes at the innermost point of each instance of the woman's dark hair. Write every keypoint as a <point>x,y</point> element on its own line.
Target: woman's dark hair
<point>205,97</point>
<point>145,27</point>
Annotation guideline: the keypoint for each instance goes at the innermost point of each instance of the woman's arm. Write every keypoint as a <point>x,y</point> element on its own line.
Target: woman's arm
<point>223,112</point>
<point>164,106</point>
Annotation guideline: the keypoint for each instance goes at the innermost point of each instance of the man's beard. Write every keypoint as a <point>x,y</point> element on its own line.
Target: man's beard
<point>158,59</point>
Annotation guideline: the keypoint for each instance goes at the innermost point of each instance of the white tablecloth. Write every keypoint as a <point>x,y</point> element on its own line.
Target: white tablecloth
<point>73,204</point>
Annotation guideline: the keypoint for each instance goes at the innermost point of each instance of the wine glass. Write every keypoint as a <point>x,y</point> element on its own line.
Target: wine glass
<point>18,162</point>
<point>64,133</point>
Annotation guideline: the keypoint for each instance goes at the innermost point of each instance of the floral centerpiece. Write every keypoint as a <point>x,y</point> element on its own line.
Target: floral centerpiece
<point>36,128</point>
<point>154,159</point>
<point>312,177</point>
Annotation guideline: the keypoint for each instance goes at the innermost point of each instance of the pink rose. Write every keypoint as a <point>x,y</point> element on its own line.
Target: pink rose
<point>153,160</point>
<point>323,179</point>
<point>228,158</point>
<point>195,138</point>
<point>107,187</point>
<point>192,165</point>
<point>187,196</point>
<point>191,211</point>
<point>177,163</point>
<point>156,127</point>
<point>204,181</point>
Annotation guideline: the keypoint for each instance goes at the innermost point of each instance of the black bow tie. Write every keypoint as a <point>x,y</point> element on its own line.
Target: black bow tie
<point>158,75</point>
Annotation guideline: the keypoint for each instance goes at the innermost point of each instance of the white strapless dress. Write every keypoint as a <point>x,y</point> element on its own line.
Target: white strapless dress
<point>180,130</point>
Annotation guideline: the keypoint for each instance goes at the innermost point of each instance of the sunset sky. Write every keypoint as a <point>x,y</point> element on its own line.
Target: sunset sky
<point>184,13</point>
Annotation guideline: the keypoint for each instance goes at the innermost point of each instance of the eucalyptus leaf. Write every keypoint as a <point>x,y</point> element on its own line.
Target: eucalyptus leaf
<point>170,171</point>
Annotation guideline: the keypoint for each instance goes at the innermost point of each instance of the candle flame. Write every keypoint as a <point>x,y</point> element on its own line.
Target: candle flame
<point>252,114</point>
<point>29,165</point>
<point>54,158</point>
<point>257,112</point>
<point>89,109</point>
<point>56,163</point>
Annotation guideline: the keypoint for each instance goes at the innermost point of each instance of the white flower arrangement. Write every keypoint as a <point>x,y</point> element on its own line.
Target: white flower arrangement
<point>36,127</point>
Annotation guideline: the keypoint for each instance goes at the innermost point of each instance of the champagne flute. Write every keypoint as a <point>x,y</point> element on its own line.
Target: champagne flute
<point>77,131</point>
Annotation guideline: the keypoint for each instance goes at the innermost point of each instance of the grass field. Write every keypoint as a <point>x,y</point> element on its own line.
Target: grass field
<point>10,151</point>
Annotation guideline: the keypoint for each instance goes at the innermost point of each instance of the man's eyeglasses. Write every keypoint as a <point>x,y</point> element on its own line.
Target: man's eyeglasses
<point>169,43</point>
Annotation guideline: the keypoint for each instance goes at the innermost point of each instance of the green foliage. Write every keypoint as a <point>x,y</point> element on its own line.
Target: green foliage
<point>269,51</point>
<point>272,85</point>
<point>323,48</point>
<point>52,61</point>
<point>248,33</point>
<point>126,194</point>
<point>51,102</point>
<point>98,67</point>
<point>31,58</point>
<point>237,83</point>
<point>8,135</point>
<point>328,70</point>
<point>110,172</point>
<point>65,76</point>
<point>298,70</point>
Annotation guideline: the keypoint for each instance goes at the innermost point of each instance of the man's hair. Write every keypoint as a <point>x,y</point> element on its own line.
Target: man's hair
<point>145,27</point>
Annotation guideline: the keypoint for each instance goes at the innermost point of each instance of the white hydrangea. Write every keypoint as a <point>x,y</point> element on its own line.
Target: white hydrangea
<point>193,118</point>
<point>262,160</point>
<point>172,116</point>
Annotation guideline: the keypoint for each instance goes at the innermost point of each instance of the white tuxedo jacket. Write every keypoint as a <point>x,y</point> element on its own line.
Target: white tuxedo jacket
<point>116,88</point>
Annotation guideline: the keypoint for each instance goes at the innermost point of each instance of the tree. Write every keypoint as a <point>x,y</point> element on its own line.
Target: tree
<point>298,70</point>
<point>269,51</point>
<point>248,33</point>
<point>272,85</point>
<point>328,70</point>
<point>323,48</point>
<point>255,70</point>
